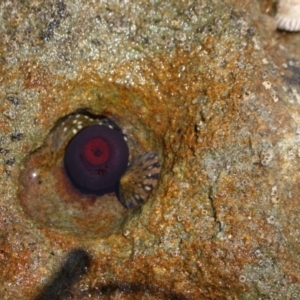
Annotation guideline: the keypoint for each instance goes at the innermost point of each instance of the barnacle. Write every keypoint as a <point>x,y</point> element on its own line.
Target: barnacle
<point>85,178</point>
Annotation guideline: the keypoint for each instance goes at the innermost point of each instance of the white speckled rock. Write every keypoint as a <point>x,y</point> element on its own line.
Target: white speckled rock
<point>205,86</point>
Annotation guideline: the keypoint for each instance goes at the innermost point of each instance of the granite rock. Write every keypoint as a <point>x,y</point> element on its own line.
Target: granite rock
<point>214,90</point>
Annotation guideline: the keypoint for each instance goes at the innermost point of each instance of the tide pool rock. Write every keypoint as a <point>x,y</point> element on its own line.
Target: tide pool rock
<point>205,86</point>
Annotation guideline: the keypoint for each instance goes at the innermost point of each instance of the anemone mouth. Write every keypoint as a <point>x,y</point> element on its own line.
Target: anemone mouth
<point>96,158</point>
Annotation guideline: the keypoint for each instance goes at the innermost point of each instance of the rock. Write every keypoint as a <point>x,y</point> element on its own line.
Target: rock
<point>207,87</point>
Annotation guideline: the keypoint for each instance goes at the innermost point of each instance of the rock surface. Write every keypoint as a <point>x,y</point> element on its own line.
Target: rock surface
<point>215,91</point>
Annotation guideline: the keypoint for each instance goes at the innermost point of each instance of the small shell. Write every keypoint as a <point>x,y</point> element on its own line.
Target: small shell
<point>288,15</point>
<point>139,180</point>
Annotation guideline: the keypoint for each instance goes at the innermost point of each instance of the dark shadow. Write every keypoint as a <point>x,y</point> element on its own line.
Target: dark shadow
<point>74,267</point>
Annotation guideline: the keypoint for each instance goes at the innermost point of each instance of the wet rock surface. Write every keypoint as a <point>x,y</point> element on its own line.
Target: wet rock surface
<point>207,85</point>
